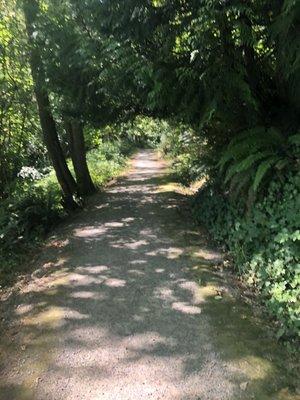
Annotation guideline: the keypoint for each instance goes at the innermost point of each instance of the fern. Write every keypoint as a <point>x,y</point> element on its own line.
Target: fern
<point>244,165</point>
<point>250,141</point>
<point>262,169</point>
<point>254,154</point>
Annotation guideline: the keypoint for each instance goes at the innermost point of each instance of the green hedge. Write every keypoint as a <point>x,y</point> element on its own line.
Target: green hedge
<point>264,244</point>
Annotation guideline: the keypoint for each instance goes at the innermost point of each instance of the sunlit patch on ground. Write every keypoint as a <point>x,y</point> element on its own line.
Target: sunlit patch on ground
<point>186,308</point>
<point>205,254</point>
<point>58,243</point>
<point>170,253</point>
<point>253,367</point>
<point>129,245</point>
<point>51,316</point>
<point>89,231</point>
<point>136,272</point>
<point>176,187</point>
<point>114,224</point>
<point>95,269</point>
<point>84,294</point>
<point>114,282</point>
<point>23,309</point>
<point>134,262</point>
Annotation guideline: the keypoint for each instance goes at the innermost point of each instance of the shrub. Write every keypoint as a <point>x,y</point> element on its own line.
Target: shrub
<point>105,162</point>
<point>263,243</point>
<point>187,152</point>
<point>34,205</point>
<point>25,217</point>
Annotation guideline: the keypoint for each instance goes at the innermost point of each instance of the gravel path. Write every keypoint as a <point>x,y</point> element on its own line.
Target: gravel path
<point>126,304</point>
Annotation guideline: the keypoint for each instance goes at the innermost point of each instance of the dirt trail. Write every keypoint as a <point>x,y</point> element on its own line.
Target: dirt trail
<point>126,305</point>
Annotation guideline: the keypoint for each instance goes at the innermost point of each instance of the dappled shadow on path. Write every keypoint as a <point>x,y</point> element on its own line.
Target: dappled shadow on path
<point>115,313</point>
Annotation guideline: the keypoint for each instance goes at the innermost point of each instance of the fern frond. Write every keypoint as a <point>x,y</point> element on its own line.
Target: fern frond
<point>249,142</point>
<point>245,164</point>
<point>282,163</point>
<point>262,169</point>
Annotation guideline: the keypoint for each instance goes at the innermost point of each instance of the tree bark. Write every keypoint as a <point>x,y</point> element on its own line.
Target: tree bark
<point>85,184</point>
<point>63,174</point>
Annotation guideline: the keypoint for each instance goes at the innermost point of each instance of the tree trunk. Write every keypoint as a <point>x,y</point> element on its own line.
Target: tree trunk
<point>77,150</point>
<point>63,174</point>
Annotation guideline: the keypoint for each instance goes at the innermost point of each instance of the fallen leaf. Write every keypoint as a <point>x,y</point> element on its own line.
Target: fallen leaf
<point>243,385</point>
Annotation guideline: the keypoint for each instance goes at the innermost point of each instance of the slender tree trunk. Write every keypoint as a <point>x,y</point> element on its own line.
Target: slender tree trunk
<point>77,150</point>
<point>64,176</point>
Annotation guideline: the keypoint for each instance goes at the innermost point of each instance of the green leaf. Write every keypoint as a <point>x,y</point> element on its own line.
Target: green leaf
<point>263,168</point>
<point>245,164</point>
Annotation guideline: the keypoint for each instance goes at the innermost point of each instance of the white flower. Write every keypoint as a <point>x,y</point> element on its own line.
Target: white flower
<point>29,173</point>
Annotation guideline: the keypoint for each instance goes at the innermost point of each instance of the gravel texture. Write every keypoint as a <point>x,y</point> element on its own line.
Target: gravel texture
<point>125,303</point>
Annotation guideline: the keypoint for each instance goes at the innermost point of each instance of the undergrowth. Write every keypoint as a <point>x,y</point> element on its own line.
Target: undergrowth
<point>250,204</point>
<point>263,244</point>
<point>34,206</point>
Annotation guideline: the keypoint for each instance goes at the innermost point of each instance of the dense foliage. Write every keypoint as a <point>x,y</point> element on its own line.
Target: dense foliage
<point>264,244</point>
<point>224,74</point>
<point>20,136</point>
<point>34,206</point>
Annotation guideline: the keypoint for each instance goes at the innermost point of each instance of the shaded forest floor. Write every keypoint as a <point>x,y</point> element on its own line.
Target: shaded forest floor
<point>126,303</point>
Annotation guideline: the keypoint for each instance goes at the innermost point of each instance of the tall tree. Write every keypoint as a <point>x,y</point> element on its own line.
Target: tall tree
<point>74,129</point>
<point>64,176</point>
